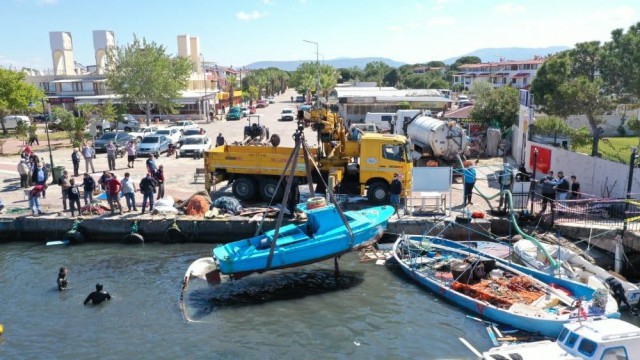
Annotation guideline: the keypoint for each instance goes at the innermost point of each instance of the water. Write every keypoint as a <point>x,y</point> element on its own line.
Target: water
<point>370,312</point>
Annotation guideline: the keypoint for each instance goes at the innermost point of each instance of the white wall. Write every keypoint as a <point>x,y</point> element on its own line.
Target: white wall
<point>593,173</point>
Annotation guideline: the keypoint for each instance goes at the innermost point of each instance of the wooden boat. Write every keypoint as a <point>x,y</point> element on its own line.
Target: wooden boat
<point>501,252</point>
<point>323,236</point>
<point>573,267</point>
<point>590,340</point>
<point>493,289</point>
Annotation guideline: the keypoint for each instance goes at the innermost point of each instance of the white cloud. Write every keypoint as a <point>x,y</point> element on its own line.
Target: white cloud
<point>250,16</point>
<point>508,9</point>
<point>442,21</point>
<point>396,28</point>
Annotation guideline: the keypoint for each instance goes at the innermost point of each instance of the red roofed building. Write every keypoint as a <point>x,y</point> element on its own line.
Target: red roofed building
<point>519,74</point>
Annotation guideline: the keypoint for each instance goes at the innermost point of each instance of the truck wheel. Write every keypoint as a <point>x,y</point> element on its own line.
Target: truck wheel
<point>378,193</point>
<point>244,188</point>
<point>274,140</point>
<point>269,190</point>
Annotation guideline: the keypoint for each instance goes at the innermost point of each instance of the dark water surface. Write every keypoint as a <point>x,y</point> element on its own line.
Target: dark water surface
<point>370,312</point>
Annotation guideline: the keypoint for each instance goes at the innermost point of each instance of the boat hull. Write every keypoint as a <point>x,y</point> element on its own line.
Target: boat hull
<point>550,325</point>
<point>297,245</point>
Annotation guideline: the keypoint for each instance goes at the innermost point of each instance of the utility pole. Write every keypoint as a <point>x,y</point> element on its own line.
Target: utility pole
<point>632,161</point>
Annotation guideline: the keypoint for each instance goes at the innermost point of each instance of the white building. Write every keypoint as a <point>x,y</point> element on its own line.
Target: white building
<point>519,74</point>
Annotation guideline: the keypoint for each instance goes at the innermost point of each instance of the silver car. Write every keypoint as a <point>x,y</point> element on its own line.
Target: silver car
<point>152,144</point>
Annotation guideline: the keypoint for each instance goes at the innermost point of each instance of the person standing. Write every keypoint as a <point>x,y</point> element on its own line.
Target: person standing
<point>469,173</point>
<point>159,176</point>
<point>129,192</point>
<point>34,199</point>
<point>220,140</point>
<point>75,159</point>
<point>40,176</point>
<point>88,153</point>
<point>88,185</point>
<point>64,186</point>
<point>97,296</point>
<point>151,164</point>
<point>113,192</point>
<point>112,152</point>
<point>74,198</point>
<point>548,191</point>
<point>131,154</point>
<point>395,190</point>
<point>575,188</point>
<point>102,181</point>
<point>23,171</point>
<point>62,282</point>
<point>33,137</point>
<point>562,189</point>
<point>147,188</point>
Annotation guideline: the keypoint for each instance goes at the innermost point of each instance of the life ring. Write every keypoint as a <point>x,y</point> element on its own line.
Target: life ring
<point>316,202</point>
<point>133,239</point>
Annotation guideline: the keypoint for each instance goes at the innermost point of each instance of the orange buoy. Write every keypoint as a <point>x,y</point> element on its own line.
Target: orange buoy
<point>316,202</point>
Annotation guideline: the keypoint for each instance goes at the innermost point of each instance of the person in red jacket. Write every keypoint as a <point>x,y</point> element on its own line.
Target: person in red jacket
<point>113,191</point>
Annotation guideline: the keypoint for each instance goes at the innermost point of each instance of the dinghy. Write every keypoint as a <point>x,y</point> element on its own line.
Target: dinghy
<point>323,236</point>
<point>493,289</point>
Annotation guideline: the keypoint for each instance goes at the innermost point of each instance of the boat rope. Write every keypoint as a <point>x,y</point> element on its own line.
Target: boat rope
<point>509,199</point>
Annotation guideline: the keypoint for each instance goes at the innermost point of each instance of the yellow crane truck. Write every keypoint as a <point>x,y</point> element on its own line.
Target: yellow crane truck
<point>353,164</point>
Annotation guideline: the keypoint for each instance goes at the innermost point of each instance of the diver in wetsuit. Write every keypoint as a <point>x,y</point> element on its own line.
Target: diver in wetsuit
<point>618,291</point>
<point>63,284</point>
<point>97,296</point>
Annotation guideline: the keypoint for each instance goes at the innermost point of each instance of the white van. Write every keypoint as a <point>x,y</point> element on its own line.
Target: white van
<point>11,121</point>
<point>381,120</point>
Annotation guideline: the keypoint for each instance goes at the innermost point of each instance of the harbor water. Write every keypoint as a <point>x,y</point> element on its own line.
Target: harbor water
<point>368,312</point>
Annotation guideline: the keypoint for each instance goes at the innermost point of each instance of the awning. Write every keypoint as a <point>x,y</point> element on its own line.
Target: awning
<point>521,75</point>
<point>483,75</point>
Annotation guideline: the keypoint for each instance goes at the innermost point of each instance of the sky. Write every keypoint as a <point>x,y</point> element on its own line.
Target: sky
<point>240,32</point>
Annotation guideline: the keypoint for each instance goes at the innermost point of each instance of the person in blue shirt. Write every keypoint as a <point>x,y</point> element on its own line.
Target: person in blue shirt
<point>469,174</point>
<point>395,192</point>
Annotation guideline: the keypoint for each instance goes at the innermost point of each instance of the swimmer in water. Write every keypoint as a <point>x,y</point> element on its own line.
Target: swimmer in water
<point>97,296</point>
<point>63,284</point>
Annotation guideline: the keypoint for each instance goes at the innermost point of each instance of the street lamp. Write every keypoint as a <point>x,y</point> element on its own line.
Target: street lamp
<point>204,77</point>
<point>317,67</point>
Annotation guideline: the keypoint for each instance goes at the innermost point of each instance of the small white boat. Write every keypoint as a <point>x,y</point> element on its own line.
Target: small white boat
<point>590,340</point>
<point>573,267</point>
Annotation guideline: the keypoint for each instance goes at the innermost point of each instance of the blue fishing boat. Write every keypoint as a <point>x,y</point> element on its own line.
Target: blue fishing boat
<point>493,289</point>
<point>501,252</point>
<point>323,236</point>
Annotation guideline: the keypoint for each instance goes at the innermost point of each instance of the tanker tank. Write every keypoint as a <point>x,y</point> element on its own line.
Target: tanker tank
<point>431,137</point>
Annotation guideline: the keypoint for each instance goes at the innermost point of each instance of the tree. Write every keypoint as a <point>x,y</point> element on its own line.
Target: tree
<point>353,73</point>
<point>545,87</point>
<point>376,71</point>
<point>551,126</point>
<point>22,131</point>
<point>499,107</point>
<point>480,88</point>
<point>74,126</point>
<point>620,69</point>
<point>143,73</point>
<point>465,60</point>
<point>436,64</point>
<point>231,88</point>
<point>15,94</point>
<point>305,77</point>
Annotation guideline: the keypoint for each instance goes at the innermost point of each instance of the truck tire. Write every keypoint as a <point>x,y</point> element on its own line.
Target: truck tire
<point>274,140</point>
<point>269,191</point>
<point>244,188</point>
<point>378,193</point>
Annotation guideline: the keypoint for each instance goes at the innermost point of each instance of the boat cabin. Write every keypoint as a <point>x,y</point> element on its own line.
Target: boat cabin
<point>603,339</point>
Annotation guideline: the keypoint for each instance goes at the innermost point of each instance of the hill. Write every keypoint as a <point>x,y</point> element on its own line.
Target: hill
<point>512,53</point>
<point>337,63</point>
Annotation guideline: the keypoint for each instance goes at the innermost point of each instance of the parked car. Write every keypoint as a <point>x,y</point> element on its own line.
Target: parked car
<point>271,100</point>
<point>191,132</point>
<point>262,104</point>
<point>100,125</point>
<point>287,115</point>
<point>55,125</point>
<point>235,113</point>
<point>252,110</point>
<point>245,111</point>
<point>194,146</point>
<point>119,138</point>
<point>173,134</point>
<point>127,123</point>
<point>153,144</point>
<point>11,121</point>
<point>184,125</point>
<point>142,132</point>
<point>300,98</point>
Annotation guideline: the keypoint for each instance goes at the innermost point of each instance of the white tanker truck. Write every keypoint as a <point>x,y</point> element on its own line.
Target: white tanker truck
<point>431,139</point>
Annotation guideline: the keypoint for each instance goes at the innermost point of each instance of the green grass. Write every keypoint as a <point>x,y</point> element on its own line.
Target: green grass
<point>613,148</point>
